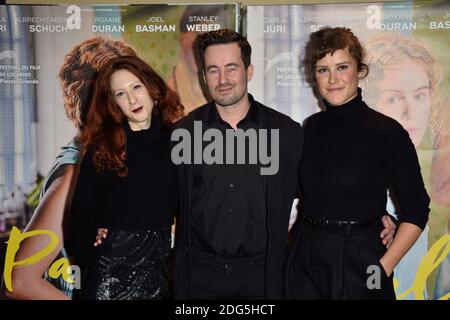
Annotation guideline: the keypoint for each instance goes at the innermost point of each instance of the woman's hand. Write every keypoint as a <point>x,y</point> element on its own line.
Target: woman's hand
<point>405,238</point>
<point>101,234</point>
<point>388,233</point>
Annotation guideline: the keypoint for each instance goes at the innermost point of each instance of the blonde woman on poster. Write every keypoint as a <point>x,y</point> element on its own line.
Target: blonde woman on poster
<point>402,84</point>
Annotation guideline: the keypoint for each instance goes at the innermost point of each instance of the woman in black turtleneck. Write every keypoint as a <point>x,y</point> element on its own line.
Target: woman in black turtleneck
<point>127,184</point>
<point>352,155</point>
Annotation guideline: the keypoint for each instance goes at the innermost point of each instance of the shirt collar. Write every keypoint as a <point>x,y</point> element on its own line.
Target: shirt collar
<point>252,115</point>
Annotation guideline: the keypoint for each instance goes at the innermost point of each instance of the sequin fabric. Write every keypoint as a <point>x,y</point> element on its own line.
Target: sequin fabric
<point>129,265</point>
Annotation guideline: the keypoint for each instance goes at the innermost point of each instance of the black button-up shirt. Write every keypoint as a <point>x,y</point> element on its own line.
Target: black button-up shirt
<point>229,200</point>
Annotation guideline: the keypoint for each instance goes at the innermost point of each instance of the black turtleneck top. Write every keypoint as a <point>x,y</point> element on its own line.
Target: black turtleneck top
<point>352,155</point>
<point>145,199</point>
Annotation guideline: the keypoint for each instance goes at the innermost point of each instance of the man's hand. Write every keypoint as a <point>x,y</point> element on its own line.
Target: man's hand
<point>101,234</point>
<point>387,235</point>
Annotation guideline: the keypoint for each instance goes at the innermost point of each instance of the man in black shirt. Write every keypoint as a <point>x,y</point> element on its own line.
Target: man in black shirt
<point>233,224</point>
<point>235,194</point>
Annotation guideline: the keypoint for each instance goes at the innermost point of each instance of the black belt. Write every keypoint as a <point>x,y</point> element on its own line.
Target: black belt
<point>340,226</point>
<point>215,258</point>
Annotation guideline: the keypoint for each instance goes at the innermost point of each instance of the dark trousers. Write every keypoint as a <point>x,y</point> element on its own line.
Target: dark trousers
<point>332,265</point>
<point>214,277</point>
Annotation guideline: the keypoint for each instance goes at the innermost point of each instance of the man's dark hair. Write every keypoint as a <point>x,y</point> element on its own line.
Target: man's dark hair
<point>223,36</point>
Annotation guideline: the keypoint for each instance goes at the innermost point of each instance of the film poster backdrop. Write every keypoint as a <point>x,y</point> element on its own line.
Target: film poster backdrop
<point>407,45</point>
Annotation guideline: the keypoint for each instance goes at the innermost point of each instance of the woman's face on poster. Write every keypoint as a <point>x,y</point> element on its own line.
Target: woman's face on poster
<point>187,41</point>
<point>405,96</point>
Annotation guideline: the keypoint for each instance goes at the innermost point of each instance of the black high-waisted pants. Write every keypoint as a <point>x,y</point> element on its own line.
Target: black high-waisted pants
<point>333,265</point>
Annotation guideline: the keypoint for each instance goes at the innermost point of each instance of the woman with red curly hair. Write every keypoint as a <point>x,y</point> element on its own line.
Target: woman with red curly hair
<point>127,184</point>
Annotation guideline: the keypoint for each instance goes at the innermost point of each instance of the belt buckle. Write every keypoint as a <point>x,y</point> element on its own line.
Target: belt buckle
<point>347,227</point>
<point>313,223</point>
<point>323,223</point>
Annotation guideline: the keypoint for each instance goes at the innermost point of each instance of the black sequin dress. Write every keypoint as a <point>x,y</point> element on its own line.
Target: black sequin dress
<point>133,261</point>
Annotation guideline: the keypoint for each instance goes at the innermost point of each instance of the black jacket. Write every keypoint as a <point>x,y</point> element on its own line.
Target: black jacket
<point>282,189</point>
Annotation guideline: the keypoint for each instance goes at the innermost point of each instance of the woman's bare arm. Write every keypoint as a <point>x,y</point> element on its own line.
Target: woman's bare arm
<point>407,235</point>
<point>51,214</point>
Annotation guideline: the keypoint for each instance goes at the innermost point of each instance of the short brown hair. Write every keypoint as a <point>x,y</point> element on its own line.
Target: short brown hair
<point>223,36</point>
<point>328,40</point>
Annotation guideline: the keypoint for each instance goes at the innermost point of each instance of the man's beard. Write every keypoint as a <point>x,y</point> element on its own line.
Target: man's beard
<point>230,100</point>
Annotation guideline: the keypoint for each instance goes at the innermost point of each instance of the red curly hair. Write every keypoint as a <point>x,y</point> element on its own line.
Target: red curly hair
<point>104,132</point>
<point>80,69</point>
